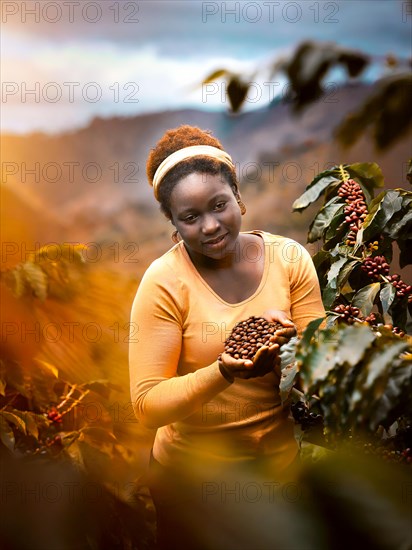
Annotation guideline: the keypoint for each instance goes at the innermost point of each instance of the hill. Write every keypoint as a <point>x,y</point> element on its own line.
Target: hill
<point>90,185</point>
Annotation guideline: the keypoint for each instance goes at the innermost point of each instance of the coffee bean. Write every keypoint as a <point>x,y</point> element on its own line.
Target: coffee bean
<point>249,335</point>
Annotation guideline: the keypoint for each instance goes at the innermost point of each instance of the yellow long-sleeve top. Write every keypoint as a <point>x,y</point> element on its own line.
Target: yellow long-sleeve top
<point>178,328</point>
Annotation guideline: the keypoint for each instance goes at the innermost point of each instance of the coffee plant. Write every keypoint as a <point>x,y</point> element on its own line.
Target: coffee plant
<point>386,110</point>
<point>355,366</point>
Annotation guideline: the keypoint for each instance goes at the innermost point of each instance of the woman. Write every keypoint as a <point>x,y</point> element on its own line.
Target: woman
<point>212,412</point>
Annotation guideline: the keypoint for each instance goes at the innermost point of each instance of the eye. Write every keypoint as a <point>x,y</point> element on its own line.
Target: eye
<point>190,218</point>
<point>220,205</point>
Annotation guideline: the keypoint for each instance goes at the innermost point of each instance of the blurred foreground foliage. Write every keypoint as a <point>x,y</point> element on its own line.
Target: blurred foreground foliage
<point>387,110</point>
<point>64,401</point>
<point>356,365</point>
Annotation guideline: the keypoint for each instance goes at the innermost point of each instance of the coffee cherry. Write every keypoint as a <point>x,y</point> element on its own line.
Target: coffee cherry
<point>402,289</point>
<point>350,190</point>
<point>355,210</point>
<point>398,331</point>
<point>54,415</point>
<point>347,314</point>
<point>302,416</point>
<point>249,335</point>
<point>375,267</point>
<point>373,319</point>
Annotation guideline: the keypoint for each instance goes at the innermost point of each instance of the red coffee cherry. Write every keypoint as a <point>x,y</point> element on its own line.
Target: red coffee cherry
<point>375,267</point>
<point>356,209</point>
<point>347,314</point>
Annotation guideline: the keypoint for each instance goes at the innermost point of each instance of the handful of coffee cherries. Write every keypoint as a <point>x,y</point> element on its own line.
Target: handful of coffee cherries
<point>248,336</point>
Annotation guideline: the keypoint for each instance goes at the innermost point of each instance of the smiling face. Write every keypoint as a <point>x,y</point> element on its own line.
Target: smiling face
<point>207,216</point>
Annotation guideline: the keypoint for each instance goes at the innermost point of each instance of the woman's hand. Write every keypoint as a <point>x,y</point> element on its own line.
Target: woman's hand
<point>278,316</point>
<point>266,360</point>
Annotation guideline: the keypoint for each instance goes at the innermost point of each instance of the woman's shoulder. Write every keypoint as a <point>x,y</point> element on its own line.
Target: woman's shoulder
<point>275,239</point>
<point>283,250</point>
<point>165,266</point>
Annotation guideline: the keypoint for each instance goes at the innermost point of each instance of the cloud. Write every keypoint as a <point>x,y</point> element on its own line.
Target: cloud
<point>106,58</point>
<point>61,86</point>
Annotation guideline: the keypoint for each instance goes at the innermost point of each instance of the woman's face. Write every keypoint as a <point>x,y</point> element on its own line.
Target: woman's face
<point>206,214</point>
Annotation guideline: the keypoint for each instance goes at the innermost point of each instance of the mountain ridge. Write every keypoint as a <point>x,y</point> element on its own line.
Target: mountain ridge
<point>93,183</point>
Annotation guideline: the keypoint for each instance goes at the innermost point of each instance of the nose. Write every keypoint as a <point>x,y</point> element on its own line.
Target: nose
<point>210,224</point>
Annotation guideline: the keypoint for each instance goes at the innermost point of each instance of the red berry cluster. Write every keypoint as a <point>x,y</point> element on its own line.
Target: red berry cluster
<point>397,330</point>
<point>356,209</point>
<point>375,267</point>
<point>373,319</point>
<point>304,417</point>
<point>388,454</point>
<point>347,313</point>
<point>54,415</point>
<point>402,289</point>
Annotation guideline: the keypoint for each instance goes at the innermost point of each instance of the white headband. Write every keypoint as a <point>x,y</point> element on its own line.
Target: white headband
<point>185,153</point>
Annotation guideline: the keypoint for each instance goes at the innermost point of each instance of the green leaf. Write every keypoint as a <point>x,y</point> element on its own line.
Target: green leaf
<point>365,297</point>
<point>32,422</point>
<point>321,361</point>
<point>286,381</point>
<point>405,256</point>
<point>353,342</point>
<point>368,175</point>
<point>336,229</point>
<point>323,219</point>
<point>219,73</point>
<point>237,91</point>
<point>48,367</point>
<point>329,294</point>
<point>397,394</point>
<point>73,451</point>
<point>36,278</point>
<point>381,362</point>
<point>399,313</point>
<point>20,284</point>
<point>400,227</point>
<point>335,270</point>
<point>315,190</point>
<point>371,380</point>
<point>309,332</point>
<point>314,453</point>
<point>331,318</point>
<point>288,368</point>
<point>381,211</point>
<point>321,261</point>
<point>14,420</point>
<point>345,272</point>
<point>68,438</point>
<point>6,434</point>
<point>387,296</point>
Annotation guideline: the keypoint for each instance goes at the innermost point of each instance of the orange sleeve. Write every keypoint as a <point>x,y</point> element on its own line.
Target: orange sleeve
<point>305,295</point>
<point>159,396</point>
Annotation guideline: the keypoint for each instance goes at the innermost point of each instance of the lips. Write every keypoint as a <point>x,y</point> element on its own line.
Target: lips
<point>217,240</point>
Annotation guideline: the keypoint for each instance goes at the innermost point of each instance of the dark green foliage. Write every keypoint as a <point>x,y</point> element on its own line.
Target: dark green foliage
<point>360,365</point>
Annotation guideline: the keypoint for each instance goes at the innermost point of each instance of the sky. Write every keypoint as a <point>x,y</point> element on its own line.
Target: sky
<point>66,62</point>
